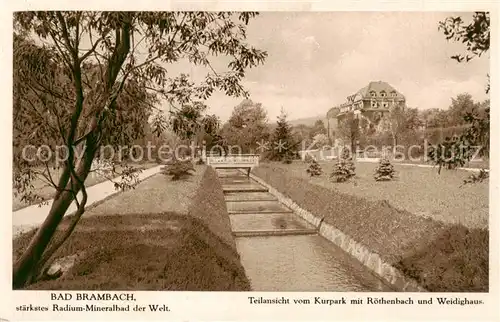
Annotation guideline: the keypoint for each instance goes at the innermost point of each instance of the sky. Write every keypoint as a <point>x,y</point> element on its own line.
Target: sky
<point>316,60</point>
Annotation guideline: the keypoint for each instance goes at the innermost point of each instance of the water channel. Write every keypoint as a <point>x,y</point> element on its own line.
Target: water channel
<point>282,252</point>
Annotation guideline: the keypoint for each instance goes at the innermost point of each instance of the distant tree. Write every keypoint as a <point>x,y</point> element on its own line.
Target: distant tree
<point>302,133</point>
<point>349,129</point>
<point>460,106</point>
<point>247,126</point>
<point>402,122</point>
<point>320,140</point>
<point>397,125</point>
<point>76,104</point>
<point>434,118</point>
<point>413,120</point>
<point>283,146</point>
<point>318,128</point>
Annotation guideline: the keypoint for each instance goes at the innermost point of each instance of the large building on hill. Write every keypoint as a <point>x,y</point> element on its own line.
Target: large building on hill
<point>371,104</point>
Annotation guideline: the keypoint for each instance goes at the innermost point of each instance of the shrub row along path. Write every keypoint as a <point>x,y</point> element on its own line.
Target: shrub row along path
<point>282,252</point>
<point>32,216</point>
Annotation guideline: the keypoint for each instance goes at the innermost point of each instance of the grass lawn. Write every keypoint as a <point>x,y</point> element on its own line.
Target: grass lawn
<point>146,239</point>
<point>47,192</point>
<point>420,191</point>
<point>479,164</point>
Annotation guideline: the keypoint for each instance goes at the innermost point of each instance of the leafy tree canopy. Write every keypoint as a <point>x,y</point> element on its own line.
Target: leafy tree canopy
<point>475,34</point>
<point>247,126</point>
<point>91,78</point>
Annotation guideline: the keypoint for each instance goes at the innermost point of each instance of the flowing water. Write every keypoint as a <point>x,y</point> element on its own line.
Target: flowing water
<point>285,253</point>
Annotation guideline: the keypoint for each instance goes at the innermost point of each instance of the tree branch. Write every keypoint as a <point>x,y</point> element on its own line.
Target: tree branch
<point>91,50</point>
<point>65,35</point>
<point>65,58</point>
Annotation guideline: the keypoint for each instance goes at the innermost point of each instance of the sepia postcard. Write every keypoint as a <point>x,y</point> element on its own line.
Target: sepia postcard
<point>231,160</point>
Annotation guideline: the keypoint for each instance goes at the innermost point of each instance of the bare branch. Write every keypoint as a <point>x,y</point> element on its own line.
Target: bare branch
<point>65,34</point>
<point>63,55</point>
<point>91,50</point>
<point>77,30</point>
<point>95,55</point>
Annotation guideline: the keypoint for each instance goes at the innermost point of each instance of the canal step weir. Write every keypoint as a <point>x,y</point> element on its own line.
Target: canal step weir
<point>280,250</point>
<point>253,211</point>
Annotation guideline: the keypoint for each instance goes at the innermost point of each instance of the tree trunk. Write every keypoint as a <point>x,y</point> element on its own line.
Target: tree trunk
<point>394,144</point>
<point>27,265</point>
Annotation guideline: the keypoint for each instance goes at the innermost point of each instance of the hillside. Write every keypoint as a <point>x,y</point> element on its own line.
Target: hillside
<point>309,121</point>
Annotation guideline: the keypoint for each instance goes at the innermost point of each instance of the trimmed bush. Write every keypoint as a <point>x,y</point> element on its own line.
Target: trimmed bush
<point>209,206</point>
<point>153,248</point>
<point>148,252</point>
<point>178,169</point>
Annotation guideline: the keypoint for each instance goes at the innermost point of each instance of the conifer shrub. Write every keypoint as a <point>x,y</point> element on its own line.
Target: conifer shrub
<point>385,171</point>
<point>314,169</point>
<point>308,158</point>
<point>344,168</point>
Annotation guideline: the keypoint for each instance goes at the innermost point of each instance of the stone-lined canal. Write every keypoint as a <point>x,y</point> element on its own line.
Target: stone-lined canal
<point>282,252</point>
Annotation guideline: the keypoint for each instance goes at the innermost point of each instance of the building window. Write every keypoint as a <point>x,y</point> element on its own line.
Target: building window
<point>385,104</point>
<point>373,94</point>
<point>383,94</point>
<point>393,94</point>
<point>374,104</point>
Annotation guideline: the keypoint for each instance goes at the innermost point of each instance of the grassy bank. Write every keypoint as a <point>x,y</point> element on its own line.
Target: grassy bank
<point>153,238</point>
<point>442,257</point>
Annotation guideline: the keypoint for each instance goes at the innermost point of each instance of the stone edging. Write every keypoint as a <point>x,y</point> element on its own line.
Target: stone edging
<point>371,260</point>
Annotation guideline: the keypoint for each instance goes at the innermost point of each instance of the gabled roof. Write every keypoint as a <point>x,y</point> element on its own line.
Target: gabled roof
<point>364,93</point>
<point>378,86</point>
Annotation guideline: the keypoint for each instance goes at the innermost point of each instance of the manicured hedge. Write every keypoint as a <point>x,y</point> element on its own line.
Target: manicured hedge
<point>209,206</point>
<point>440,257</point>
